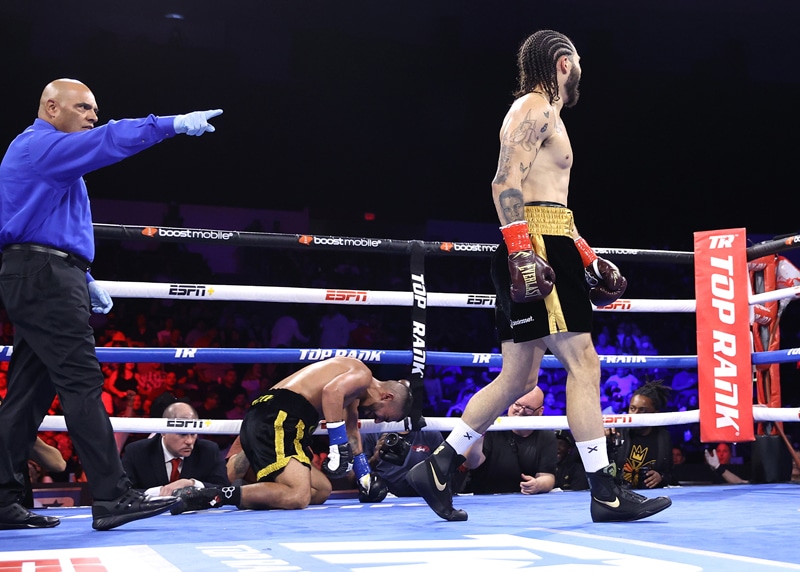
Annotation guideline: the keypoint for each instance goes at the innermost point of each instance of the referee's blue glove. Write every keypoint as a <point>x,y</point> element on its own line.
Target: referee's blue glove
<point>196,122</point>
<point>101,301</point>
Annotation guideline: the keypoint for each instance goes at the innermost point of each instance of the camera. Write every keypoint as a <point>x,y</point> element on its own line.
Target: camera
<point>395,449</point>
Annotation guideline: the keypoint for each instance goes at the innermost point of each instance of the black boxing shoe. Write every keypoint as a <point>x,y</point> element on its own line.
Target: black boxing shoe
<point>192,498</point>
<point>133,505</point>
<point>612,503</point>
<point>432,479</point>
<point>15,516</point>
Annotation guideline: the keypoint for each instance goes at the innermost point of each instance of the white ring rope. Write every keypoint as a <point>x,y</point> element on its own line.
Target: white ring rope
<point>232,426</point>
<point>355,297</point>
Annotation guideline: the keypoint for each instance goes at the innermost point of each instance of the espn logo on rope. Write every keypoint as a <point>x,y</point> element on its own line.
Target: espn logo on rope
<point>617,305</point>
<point>188,423</point>
<point>190,290</point>
<point>724,364</point>
<point>345,296</point>
<point>480,300</point>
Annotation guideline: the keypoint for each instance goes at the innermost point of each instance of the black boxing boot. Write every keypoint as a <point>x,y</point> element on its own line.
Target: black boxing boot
<point>433,480</point>
<point>612,503</point>
<point>192,498</point>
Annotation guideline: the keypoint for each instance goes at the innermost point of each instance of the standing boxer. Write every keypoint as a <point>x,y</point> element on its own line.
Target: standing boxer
<point>545,275</point>
<point>47,240</point>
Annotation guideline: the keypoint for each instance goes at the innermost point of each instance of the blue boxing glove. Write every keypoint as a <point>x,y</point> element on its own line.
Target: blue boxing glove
<point>371,488</point>
<point>101,301</point>
<point>340,454</point>
<point>196,122</point>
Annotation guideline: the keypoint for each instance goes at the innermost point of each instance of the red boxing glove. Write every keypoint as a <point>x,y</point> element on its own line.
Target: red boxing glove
<point>606,284</point>
<point>531,277</point>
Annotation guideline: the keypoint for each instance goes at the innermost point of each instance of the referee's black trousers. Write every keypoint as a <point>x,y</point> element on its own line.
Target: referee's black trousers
<point>47,301</point>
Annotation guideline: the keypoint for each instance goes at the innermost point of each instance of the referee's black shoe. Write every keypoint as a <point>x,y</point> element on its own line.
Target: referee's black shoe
<point>133,505</point>
<point>15,516</point>
<point>612,503</point>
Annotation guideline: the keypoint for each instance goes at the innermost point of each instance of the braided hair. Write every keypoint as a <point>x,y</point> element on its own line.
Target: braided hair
<point>536,61</point>
<point>656,392</point>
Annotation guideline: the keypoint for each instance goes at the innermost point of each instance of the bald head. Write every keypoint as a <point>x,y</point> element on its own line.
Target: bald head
<point>179,410</point>
<point>534,398</point>
<point>68,105</point>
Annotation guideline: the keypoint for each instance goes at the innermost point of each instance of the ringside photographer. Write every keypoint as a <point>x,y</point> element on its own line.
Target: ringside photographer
<point>391,455</point>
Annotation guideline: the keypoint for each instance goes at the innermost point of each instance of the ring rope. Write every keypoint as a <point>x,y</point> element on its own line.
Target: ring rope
<point>351,244</point>
<point>347,296</point>
<point>232,426</point>
<point>390,357</point>
<point>356,297</point>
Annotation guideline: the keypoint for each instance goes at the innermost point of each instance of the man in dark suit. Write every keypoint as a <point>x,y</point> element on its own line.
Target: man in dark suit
<point>149,462</point>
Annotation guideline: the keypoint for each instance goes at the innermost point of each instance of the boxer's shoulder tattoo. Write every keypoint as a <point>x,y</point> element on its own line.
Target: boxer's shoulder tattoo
<point>525,136</point>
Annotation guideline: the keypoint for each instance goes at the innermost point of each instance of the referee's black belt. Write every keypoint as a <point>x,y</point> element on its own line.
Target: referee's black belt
<point>74,259</point>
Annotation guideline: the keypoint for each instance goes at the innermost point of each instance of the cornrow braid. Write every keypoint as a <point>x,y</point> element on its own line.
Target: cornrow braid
<point>536,61</point>
<point>656,392</point>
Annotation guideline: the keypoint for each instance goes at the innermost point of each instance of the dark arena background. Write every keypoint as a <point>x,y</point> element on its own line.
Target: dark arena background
<point>355,152</point>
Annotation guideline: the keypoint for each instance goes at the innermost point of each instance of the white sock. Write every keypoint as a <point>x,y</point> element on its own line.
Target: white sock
<point>594,454</point>
<point>462,437</point>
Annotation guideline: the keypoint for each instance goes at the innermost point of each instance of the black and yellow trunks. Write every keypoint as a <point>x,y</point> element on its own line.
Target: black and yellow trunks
<point>278,427</point>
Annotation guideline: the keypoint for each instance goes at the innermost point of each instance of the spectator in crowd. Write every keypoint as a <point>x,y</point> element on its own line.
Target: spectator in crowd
<point>718,460</point>
<point>170,461</point>
<point>210,408</point>
<point>604,344</point>
<point>240,406</point>
<point>644,453</point>
<point>551,405</point>
<point>520,460</point>
<point>616,404</point>
<point>122,379</point>
<point>251,380</point>
<point>143,335</point>
<point>286,332</point>
<point>678,456</point>
<point>228,388</point>
<point>625,380</point>
<point>334,329</point>
<point>165,336</point>
<point>570,474</point>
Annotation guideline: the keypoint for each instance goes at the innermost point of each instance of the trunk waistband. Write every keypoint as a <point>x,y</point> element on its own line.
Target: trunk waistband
<point>552,221</point>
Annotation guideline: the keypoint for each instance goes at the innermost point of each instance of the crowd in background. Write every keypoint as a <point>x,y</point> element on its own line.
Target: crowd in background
<point>225,390</point>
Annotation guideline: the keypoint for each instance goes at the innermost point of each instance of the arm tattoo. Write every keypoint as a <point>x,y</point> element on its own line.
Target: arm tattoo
<point>525,135</point>
<point>512,206</point>
<point>502,165</point>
